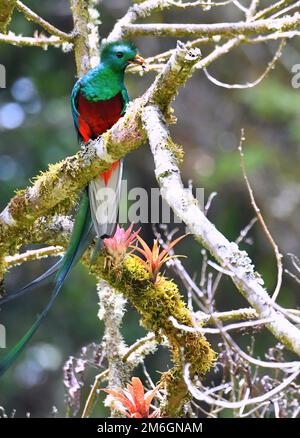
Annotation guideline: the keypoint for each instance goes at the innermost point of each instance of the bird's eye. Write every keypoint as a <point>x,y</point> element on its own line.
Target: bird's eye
<point>119,55</point>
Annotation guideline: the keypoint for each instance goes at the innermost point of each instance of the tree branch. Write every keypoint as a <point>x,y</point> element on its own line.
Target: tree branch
<point>156,304</point>
<point>86,36</point>
<point>63,180</point>
<point>136,11</point>
<point>111,311</point>
<point>32,16</point>
<point>273,8</point>
<point>184,205</point>
<point>208,30</point>
<point>37,41</point>
<point>33,254</point>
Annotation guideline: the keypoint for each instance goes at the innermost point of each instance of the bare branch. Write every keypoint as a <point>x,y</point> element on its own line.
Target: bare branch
<point>205,395</point>
<point>155,63</point>
<point>246,230</point>
<point>91,399</point>
<point>252,9</point>
<point>273,37</point>
<point>234,315</point>
<point>209,30</point>
<point>248,282</point>
<point>283,11</point>
<point>146,8</point>
<point>140,10</point>
<point>272,8</point>
<point>277,253</point>
<point>32,16</point>
<point>218,52</point>
<point>295,277</point>
<point>269,67</point>
<point>206,5</point>
<point>176,72</point>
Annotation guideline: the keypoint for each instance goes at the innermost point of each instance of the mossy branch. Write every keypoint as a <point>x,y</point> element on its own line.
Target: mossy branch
<point>33,254</point>
<point>111,311</point>
<point>146,118</point>
<point>156,303</point>
<point>86,36</point>
<point>61,183</point>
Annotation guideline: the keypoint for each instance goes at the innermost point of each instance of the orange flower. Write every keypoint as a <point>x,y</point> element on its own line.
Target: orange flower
<point>135,402</point>
<point>154,258</point>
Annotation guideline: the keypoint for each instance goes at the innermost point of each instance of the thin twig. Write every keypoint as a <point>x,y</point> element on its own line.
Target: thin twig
<point>277,253</point>
<point>203,395</point>
<point>33,254</point>
<point>269,67</point>
<point>252,9</point>
<point>52,30</point>
<point>285,10</point>
<point>205,5</point>
<point>292,275</point>
<point>104,375</point>
<point>272,8</point>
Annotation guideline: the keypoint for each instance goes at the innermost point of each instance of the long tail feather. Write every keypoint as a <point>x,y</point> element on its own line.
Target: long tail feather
<point>82,235</point>
<point>42,279</point>
<point>104,195</point>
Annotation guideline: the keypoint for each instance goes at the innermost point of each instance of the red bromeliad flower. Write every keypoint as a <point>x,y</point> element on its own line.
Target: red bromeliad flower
<point>135,402</point>
<point>154,258</point>
<point>117,245</point>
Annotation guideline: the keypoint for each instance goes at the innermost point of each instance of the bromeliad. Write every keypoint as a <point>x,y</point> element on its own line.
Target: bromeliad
<point>98,100</point>
<point>154,258</point>
<point>132,401</point>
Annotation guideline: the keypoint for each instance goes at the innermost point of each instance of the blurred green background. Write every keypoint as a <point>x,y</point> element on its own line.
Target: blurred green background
<point>36,129</point>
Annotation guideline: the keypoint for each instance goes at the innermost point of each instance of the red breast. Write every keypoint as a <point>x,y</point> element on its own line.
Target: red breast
<point>97,117</point>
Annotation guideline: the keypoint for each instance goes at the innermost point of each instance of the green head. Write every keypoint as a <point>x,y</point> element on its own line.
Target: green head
<point>118,55</point>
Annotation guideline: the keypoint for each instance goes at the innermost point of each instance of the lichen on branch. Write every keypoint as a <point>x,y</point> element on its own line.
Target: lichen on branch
<point>156,303</point>
<point>228,254</point>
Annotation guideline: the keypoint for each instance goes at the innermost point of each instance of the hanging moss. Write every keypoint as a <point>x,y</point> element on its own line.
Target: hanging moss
<point>156,303</point>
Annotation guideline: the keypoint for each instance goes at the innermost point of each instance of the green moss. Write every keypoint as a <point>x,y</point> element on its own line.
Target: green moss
<point>164,175</point>
<point>177,394</point>
<point>156,303</point>
<point>177,151</point>
<point>6,12</point>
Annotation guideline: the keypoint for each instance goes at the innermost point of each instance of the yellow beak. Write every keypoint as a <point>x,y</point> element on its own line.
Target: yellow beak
<point>138,59</point>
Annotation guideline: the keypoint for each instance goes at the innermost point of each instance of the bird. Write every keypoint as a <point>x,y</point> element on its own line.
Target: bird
<point>98,100</point>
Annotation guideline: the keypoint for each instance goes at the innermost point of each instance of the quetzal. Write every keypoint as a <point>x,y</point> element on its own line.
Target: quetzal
<point>98,100</point>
